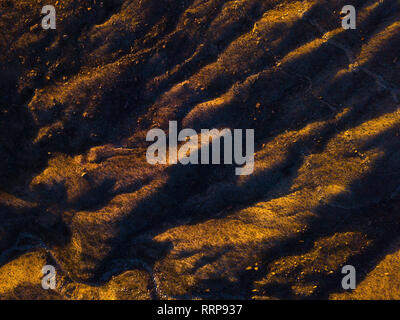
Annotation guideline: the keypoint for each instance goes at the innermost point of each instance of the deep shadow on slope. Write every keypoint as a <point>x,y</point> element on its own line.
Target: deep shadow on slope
<point>175,203</point>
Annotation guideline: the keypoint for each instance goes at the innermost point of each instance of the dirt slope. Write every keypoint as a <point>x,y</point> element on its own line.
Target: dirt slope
<point>76,190</point>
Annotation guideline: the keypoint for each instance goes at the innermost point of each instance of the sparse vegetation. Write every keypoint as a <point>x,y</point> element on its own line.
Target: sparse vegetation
<point>76,190</point>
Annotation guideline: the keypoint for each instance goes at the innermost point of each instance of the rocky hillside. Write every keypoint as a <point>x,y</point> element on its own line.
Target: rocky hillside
<point>77,192</point>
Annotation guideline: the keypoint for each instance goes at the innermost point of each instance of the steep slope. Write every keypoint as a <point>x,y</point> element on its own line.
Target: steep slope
<point>77,192</point>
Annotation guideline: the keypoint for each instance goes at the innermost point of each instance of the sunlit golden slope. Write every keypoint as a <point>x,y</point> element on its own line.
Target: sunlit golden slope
<point>78,193</point>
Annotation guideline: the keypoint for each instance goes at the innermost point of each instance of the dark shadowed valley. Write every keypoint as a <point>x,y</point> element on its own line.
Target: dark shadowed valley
<point>77,192</point>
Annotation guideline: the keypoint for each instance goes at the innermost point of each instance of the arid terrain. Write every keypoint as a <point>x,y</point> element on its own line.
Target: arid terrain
<point>77,192</point>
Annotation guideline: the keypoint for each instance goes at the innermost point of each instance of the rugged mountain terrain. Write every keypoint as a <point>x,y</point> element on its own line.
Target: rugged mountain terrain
<point>76,189</point>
